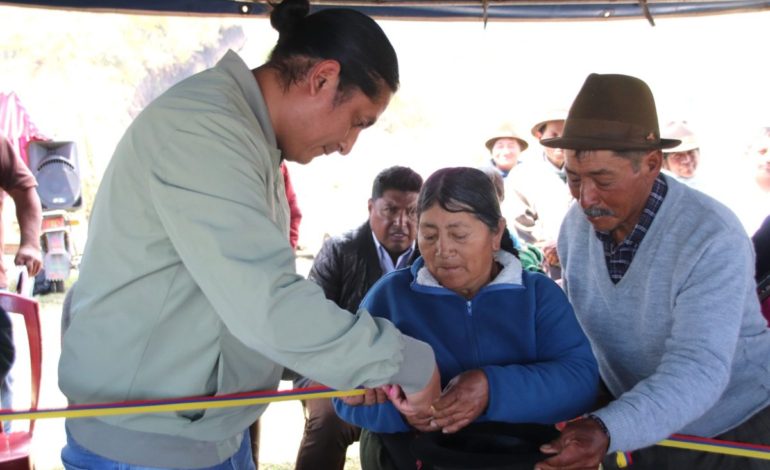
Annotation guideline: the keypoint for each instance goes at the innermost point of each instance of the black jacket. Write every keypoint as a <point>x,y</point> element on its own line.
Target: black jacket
<point>347,266</point>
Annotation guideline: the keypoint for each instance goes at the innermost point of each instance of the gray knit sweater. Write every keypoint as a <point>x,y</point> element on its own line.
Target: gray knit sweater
<point>680,340</point>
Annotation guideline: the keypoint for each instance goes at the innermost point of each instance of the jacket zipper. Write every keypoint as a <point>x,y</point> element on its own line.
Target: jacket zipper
<point>472,332</point>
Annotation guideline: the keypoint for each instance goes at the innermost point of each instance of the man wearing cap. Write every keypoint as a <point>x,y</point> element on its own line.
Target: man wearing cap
<point>505,147</point>
<point>538,198</point>
<point>541,196</point>
<point>681,161</point>
<point>661,279</point>
<point>552,125</point>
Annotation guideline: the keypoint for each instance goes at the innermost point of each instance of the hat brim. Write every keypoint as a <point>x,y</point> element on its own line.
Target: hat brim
<point>587,143</point>
<point>684,147</point>
<point>491,142</point>
<point>536,128</point>
<point>488,445</point>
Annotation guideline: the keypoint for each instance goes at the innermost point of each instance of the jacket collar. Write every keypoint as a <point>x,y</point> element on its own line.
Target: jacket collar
<point>234,65</point>
<point>511,273</point>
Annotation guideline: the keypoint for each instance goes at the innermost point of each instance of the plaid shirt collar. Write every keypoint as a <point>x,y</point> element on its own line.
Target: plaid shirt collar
<point>619,257</point>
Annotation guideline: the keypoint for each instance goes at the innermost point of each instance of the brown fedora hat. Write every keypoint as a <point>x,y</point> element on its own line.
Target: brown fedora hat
<point>612,112</point>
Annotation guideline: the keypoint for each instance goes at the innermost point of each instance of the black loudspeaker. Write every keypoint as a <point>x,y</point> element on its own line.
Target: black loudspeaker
<point>56,168</point>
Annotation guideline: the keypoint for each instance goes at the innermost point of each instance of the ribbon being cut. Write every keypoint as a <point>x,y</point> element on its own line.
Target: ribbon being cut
<point>177,404</point>
<point>680,441</point>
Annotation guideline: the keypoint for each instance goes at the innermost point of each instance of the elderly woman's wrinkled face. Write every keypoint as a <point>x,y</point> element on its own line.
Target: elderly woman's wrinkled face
<point>458,249</point>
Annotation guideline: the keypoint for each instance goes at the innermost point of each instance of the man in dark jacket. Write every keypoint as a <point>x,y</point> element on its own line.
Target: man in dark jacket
<point>346,267</point>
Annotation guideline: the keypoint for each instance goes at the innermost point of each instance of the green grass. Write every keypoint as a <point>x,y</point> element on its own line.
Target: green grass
<point>350,464</point>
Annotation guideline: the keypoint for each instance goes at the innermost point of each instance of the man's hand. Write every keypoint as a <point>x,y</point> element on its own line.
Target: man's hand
<point>550,254</point>
<point>29,215</point>
<point>581,445</point>
<point>418,403</point>
<point>371,396</point>
<point>30,257</point>
<point>463,400</point>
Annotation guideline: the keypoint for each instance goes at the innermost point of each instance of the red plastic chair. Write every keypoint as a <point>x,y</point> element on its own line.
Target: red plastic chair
<point>15,446</point>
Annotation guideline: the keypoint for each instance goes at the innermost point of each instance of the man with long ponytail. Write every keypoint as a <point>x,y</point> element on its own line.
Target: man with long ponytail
<point>187,286</point>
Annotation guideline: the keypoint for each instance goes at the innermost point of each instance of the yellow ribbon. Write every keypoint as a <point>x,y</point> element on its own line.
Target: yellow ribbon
<point>260,398</point>
<point>162,406</point>
<point>715,446</point>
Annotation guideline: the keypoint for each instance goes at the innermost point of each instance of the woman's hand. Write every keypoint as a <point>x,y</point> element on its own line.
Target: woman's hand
<point>422,422</point>
<point>462,401</point>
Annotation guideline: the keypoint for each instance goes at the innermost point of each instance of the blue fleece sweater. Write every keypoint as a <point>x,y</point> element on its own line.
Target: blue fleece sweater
<point>519,329</point>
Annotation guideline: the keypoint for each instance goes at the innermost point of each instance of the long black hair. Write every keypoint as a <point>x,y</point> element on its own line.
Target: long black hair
<point>464,189</point>
<point>366,57</point>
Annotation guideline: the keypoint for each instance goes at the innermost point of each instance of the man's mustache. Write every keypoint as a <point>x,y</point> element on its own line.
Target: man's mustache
<point>594,211</point>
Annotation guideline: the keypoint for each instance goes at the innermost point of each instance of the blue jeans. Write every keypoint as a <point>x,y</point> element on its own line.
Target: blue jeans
<point>6,399</point>
<point>75,457</point>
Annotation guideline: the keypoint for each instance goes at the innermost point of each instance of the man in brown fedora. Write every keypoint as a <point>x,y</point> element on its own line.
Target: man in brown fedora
<point>661,279</point>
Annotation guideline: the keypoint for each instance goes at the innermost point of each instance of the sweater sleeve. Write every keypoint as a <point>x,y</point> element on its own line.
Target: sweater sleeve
<point>382,417</point>
<point>223,230</point>
<point>695,367</point>
<point>376,418</point>
<point>562,383</point>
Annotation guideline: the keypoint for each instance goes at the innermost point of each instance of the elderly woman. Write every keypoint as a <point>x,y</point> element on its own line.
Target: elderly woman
<point>507,343</point>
